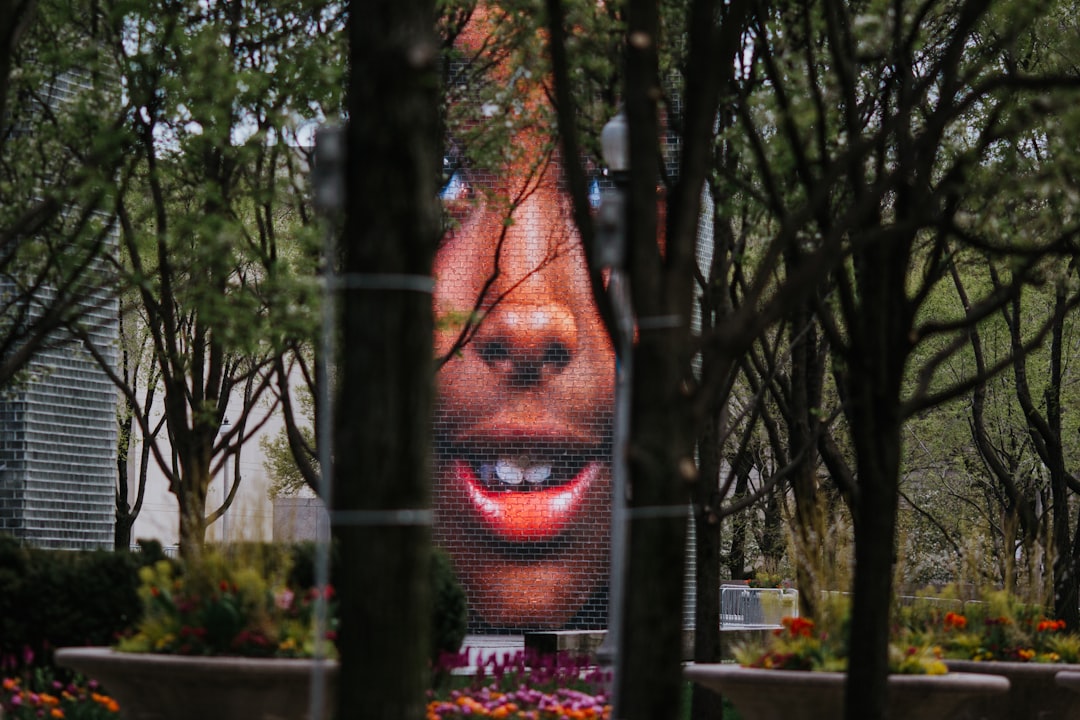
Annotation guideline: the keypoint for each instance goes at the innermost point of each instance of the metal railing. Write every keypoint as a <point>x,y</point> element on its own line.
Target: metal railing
<point>747,608</point>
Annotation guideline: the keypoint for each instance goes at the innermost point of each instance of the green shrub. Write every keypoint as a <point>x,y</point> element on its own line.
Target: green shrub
<point>53,598</point>
<point>449,613</point>
<point>449,608</point>
<point>57,598</point>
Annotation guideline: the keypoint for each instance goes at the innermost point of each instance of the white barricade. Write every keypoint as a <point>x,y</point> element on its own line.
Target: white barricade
<point>748,608</point>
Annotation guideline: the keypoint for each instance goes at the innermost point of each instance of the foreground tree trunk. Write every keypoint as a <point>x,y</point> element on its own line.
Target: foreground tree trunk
<point>704,703</point>
<point>383,416</point>
<point>870,379</point>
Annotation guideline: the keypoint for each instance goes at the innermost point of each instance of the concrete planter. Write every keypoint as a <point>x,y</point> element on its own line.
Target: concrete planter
<point>796,695</point>
<point>1033,692</point>
<point>178,687</point>
<point>1068,679</point>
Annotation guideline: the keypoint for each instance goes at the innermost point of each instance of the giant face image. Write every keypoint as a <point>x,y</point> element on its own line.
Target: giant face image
<point>523,417</point>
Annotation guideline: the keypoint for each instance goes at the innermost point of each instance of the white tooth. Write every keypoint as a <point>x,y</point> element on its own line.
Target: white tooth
<point>537,473</point>
<point>509,472</point>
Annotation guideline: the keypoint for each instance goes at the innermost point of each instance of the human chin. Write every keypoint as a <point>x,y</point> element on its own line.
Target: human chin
<point>526,557</point>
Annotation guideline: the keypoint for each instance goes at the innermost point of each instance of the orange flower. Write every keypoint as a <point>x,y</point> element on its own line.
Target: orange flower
<point>1050,625</point>
<point>56,713</point>
<point>105,701</point>
<point>798,627</point>
<point>955,621</point>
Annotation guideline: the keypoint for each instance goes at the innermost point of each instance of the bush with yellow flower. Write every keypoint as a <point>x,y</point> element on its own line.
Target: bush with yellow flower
<point>999,628</point>
<point>822,645</point>
<point>228,605</point>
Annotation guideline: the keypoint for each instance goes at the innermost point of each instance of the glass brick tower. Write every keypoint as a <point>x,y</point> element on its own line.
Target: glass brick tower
<point>58,445</point>
<point>58,419</point>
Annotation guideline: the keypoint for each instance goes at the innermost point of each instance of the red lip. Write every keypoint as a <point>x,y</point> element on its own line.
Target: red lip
<point>526,516</point>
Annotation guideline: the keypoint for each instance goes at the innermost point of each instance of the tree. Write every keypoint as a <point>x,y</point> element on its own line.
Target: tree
<point>139,374</point>
<point>60,165</point>
<point>871,149</point>
<point>384,401</point>
<point>1044,425</point>
<point>903,145</point>
<point>661,264</point>
<point>213,224</point>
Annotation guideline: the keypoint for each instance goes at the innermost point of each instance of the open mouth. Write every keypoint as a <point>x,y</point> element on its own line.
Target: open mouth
<point>526,498</point>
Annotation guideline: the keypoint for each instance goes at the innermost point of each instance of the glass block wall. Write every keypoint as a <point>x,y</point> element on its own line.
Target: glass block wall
<point>58,424</point>
<point>58,446</point>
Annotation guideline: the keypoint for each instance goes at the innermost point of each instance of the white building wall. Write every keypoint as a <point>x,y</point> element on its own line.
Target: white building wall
<point>251,515</point>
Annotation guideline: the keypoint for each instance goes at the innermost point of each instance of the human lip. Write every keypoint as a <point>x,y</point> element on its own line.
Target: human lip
<point>526,485</point>
<point>528,514</point>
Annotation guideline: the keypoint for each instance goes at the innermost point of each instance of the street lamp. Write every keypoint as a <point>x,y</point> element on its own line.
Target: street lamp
<point>224,432</point>
<point>610,255</point>
<point>615,144</point>
<point>328,179</point>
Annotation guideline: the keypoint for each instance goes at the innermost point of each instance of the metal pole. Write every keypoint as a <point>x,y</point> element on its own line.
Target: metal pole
<point>611,249</point>
<point>328,179</point>
<point>620,529</point>
<point>225,510</point>
<point>224,430</point>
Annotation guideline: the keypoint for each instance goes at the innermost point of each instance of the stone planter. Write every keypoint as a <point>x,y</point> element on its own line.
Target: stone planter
<point>796,695</point>
<point>1033,692</point>
<point>178,687</point>
<point>1068,679</point>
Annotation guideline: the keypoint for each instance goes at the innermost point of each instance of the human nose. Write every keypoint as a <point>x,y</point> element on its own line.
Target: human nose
<point>531,334</point>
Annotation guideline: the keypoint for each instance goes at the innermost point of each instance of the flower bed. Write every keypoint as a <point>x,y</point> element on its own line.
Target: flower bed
<point>523,686</point>
<point>37,695</point>
<point>802,644</point>
<point>225,606</point>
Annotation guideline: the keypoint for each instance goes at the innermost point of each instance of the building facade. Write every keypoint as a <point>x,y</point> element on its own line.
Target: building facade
<point>58,446</point>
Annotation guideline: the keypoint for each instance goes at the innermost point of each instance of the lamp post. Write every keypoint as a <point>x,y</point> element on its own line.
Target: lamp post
<point>328,181</point>
<point>224,432</point>
<point>610,255</point>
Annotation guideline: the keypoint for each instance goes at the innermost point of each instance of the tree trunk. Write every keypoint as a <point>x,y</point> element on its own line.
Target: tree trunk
<point>878,451</point>
<point>660,452</point>
<point>740,521</point>
<point>382,429</point>
<point>653,622</point>
<point>805,402</point>
<point>122,531</point>
<point>1067,550</point>
<point>706,704</point>
<point>125,518</point>
<point>191,497</point>
<point>874,366</point>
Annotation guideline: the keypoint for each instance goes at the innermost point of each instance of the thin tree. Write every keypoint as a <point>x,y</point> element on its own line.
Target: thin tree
<point>211,230</point>
<point>61,164</point>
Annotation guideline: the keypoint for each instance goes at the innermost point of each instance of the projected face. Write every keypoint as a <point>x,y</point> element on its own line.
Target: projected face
<point>523,419</point>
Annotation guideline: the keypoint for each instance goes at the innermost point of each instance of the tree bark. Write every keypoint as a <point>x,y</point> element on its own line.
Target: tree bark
<point>706,704</point>
<point>383,415</point>
<point>804,404</point>
<point>660,439</point>
<point>875,358</point>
